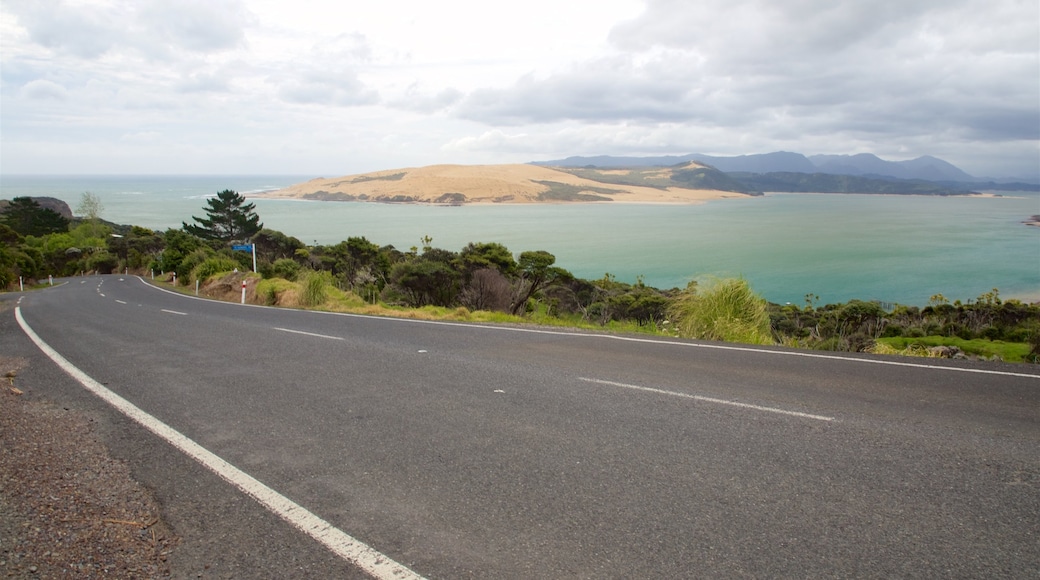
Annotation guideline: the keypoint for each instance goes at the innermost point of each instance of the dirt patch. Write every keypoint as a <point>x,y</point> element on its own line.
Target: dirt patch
<point>68,509</point>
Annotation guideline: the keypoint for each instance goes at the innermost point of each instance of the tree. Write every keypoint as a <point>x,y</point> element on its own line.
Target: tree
<point>25,216</point>
<point>230,218</point>
<point>536,271</point>
<point>90,208</point>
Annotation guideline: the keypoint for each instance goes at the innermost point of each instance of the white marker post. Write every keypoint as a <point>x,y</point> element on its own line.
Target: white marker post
<point>243,291</point>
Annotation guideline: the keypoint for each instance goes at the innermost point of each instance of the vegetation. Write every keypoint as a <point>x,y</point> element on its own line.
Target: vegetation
<point>726,310</point>
<point>830,183</point>
<point>229,219</point>
<point>686,175</point>
<point>485,281</point>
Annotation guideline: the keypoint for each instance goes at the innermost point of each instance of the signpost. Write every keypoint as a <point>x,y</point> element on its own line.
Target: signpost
<point>247,248</point>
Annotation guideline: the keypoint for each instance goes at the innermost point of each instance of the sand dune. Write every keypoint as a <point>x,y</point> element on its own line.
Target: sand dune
<point>469,184</point>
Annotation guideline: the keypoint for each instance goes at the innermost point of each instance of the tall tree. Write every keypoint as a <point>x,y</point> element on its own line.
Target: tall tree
<point>90,208</point>
<point>230,218</point>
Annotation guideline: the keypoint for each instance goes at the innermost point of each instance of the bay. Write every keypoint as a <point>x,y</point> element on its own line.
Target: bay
<point>897,249</point>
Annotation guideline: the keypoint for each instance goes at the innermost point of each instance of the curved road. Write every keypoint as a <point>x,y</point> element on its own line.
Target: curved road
<point>455,450</point>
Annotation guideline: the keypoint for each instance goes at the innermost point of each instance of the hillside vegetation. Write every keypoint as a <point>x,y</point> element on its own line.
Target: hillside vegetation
<point>486,281</point>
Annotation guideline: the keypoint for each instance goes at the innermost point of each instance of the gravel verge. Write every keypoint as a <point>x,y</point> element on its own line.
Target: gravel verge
<point>67,508</point>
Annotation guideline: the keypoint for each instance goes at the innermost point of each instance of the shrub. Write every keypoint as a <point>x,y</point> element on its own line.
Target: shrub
<point>725,310</point>
<point>285,268</point>
<point>211,266</point>
<point>315,288</point>
<point>187,265</point>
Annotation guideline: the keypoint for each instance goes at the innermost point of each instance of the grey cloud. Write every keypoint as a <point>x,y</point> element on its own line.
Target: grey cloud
<point>415,99</point>
<point>342,89</point>
<point>328,74</point>
<point>154,28</point>
<point>195,25</point>
<point>874,71</point>
<point>42,89</point>
<point>87,32</point>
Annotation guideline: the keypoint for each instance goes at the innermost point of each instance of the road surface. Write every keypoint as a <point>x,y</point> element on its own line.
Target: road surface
<point>458,450</point>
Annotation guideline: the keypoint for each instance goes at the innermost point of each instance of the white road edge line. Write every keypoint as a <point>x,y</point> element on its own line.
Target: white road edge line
<point>173,312</point>
<point>309,333</point>
<point>710,399</point>
<point>346,547</point>
<point>662,341</point>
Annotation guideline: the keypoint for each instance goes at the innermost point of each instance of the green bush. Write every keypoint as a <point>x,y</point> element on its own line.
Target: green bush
<point>211,266</point>
<point>726,310</point>
<point>193,260</point>
<point>285,268</point>
<point>315,288</point>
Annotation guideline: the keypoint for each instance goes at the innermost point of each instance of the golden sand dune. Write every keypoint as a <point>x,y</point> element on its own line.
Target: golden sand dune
<point>464,184</point>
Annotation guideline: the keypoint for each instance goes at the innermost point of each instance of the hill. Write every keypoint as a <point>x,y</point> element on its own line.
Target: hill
<point>522,183</point>
<point>864,164</point>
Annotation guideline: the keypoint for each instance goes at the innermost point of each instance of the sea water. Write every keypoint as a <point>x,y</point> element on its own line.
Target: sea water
<point>897,249</point>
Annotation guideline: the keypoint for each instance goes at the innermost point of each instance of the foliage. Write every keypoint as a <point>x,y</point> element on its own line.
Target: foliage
<point>229,219</point>
<point>422,282</point>
<point>565,192</point>
<point>90,207</point>
<point>535,271</point>
<point>272,245</point>
<point>485,282</point>
<point>315,287</point>
<point>25,216</point>
<point>286,269</point>
<point>192,261</point>
<point>1006,351</point>
<point>212,266</point>
<point>830,183</point>
<point>724,309</point>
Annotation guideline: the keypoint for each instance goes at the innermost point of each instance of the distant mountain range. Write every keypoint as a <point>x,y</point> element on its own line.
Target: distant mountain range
<point>865,165</point>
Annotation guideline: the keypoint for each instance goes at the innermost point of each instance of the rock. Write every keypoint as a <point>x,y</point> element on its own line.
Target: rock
<point>946,352</point>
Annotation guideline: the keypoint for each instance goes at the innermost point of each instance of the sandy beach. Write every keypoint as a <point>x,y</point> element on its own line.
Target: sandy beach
<point>482,184</point>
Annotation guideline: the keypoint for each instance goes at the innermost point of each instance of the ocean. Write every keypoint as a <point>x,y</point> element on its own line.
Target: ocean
<point>896,249</point>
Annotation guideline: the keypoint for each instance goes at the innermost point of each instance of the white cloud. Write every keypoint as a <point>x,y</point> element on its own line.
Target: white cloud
<point>404,82</point>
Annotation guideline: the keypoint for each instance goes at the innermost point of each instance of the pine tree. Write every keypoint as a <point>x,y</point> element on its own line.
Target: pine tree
<point>230,219</point>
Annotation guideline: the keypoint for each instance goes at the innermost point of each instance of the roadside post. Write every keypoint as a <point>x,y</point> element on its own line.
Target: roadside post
<point>243,291</point>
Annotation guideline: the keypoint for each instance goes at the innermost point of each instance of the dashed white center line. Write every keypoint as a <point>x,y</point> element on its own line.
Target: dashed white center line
<point>710,400</point>
<point>120,301</point>
<point>309,333</point>
<point>174,312</point>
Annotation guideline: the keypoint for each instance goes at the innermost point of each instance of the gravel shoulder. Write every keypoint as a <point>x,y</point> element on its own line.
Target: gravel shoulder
<point>67,508</point>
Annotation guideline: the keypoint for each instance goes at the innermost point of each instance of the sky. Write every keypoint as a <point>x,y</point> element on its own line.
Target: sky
<point>328,88</point>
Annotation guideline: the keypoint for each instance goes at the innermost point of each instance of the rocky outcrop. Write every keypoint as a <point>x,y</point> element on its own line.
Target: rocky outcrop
<point>51,203</point>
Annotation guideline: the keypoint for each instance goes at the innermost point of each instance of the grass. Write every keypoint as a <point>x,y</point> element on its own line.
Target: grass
<point>740,305</point>
<point>1007,351</point>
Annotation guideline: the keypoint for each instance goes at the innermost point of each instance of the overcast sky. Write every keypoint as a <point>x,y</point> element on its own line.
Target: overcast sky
<point>330,88</point>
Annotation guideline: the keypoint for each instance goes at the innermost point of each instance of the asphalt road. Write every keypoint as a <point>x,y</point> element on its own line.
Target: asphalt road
<point>501,452</point>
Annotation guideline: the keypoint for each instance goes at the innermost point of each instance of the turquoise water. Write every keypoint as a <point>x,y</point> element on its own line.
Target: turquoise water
<point>891,248</point>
